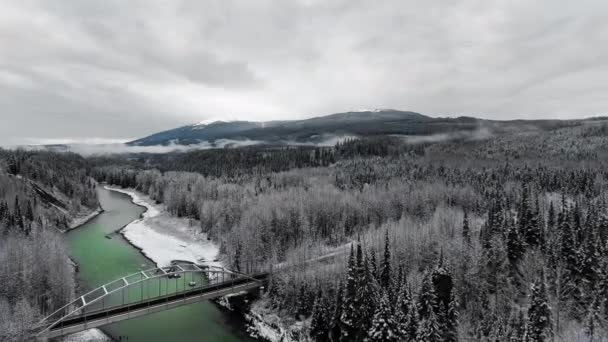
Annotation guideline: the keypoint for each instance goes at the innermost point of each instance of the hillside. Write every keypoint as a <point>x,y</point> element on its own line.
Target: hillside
<point>324,130</point>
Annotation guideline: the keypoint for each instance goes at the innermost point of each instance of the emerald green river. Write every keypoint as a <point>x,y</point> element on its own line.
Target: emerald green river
<point>102,260</point>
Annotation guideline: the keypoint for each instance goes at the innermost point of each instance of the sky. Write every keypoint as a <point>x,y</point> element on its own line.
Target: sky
<point>112,70</point>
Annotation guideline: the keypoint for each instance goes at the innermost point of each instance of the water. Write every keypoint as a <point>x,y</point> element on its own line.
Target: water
<point>102,260</point>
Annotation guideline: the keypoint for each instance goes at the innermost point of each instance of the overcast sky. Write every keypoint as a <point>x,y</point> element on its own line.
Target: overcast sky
<point>113,70</point>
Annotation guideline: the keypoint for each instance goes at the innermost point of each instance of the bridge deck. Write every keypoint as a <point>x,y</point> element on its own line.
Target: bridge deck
<point>123,312</point>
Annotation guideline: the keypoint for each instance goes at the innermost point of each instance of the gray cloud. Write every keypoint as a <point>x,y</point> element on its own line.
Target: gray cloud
<point>117,70</point>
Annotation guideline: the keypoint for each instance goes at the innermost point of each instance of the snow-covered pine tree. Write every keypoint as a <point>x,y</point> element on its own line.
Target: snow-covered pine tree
<point>450,333</point>
<point>18,215</point>
<point>373,263</point>
<point>593,319</point>
<point>528,219</point>
<point>515,243</point>
<point>385,267</point>
<point>320,319</point>
<point>551,219</point>
<point>397,285</point>
<point>539,327</point>
<point>402,305</point>
<point>466,229</point>
<point>350,309</point>
<point>384,328</point>
<point>366,299</point>
<point>602,284</point>
<point>335,330</point>
<point>428,329</point>
<point>412,321</point>
<point>275,291</point>
<point>303,304</point>
<point>427,300</point>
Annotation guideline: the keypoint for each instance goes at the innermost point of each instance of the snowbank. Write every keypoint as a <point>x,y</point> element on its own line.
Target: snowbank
<point>87,336</point>
<point>80,220</point>
<point>267,325</point>
<point>163,238</point>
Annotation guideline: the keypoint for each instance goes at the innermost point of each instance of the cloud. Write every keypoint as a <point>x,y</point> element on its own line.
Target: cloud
<point>117,69</point>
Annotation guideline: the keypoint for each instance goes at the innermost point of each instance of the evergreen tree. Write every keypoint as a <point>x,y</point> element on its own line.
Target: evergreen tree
<point>29,212</point>
<point>528,220</point>
<point>320,319</point>
<point>385,268</point>
<point>412,321</point>
<point>515,243</point>
<point>602,285</point>
<point>18,216</point>
<point>593,319</point>
<point>384,328</point>
<point>373,262</point>
<point>427,300</point>
<point>303,306</point>
<point>539,326</point>
<point>551,217</point>
<point>403,305</point>
<point>350,308</point>
<point>366,299</point>
<point>335,332</point>
<point>465,229</point>
<point>451,323</point>
<point>429,329</point>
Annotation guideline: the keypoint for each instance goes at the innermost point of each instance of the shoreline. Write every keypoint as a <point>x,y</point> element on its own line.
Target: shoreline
<point>162,238</point>
<point>82,220</point>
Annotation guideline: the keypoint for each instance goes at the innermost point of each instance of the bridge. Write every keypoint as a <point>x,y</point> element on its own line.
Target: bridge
<point>144,293</point>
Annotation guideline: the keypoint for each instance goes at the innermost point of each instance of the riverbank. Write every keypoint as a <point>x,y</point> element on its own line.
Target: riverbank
<point>163,238</point>
<point>84,219</point>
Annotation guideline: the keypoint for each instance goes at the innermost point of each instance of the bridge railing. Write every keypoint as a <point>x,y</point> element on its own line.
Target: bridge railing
<point>140,287</point>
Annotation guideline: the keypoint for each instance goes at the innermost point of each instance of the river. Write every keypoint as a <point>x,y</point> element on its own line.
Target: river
<point>102,260</point>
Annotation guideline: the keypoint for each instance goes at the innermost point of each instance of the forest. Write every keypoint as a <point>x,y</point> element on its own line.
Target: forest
<point>381,238</point>
<point>40,192</point>
<point>495,238</point>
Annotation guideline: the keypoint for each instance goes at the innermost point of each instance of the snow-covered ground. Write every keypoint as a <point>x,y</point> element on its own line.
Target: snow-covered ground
<point>91,335</point>
<point>266,324</point>
<point>80,220</point>
<point>164,238</point>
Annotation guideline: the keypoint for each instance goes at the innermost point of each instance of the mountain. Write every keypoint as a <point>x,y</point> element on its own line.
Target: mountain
<point>325,129</point>
<point>366,122</point>
<point>194,134</point>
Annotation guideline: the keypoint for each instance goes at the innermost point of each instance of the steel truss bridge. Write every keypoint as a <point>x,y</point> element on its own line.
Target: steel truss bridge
<point>144,293</point>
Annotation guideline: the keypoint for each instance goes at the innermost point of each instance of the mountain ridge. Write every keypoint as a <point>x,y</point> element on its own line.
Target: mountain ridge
<point>345,124</point>
<point>281,130</point>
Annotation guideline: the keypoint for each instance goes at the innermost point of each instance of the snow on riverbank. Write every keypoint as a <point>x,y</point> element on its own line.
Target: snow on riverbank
<point>80,220</point>
<point>91,335</point>
<point>164,238</point>
<point>264,323</point>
